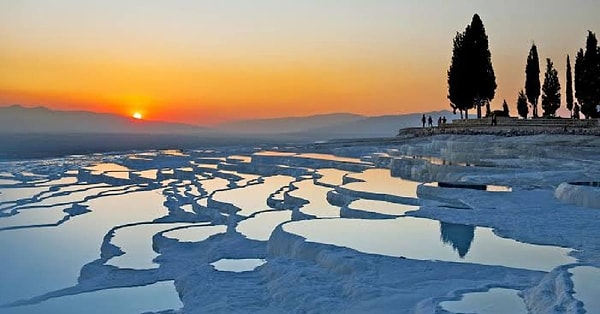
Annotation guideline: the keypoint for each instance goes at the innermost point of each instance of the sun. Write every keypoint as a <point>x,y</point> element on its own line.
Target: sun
<point>137,115</point>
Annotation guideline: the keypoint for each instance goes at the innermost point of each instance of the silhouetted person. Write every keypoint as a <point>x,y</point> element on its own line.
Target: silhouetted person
<point>423,120</point>
<point>439,121</point>
<point>444,120</point>
<point>430,121</point>
<point>494,121</point>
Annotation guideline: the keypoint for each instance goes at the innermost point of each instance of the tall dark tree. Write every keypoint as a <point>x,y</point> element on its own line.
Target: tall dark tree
<point>592,53</point>
<point>459,87</point>
<point>481,69</point>
<point>569,96</point>
<point>522,107</point>
<point>550,90</point>
<point>580,86</point>
<point>587,77</point>
<point>471,78</point>
<point>532,78</point>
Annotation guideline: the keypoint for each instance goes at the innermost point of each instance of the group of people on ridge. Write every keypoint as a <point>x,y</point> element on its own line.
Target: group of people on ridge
<point>441,121</point>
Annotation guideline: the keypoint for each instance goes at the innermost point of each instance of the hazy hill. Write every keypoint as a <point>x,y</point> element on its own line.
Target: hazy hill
<point>330,126</point>
<point>18,119</point>
<point>287,124</point>
<point>41,120</point>
<point>41,132</point>
<point>381,126</point>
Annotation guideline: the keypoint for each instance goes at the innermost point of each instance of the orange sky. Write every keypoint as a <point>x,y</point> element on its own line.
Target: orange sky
<point>207,62</point>
<point>208,90</point>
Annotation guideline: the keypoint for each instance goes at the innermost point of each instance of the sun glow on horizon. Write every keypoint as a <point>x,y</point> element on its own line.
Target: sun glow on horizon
<point>137,116</point>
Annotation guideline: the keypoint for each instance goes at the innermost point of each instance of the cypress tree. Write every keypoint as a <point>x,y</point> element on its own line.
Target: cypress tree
<point>532,78</point>
<point>592,45</point>
<point>589,77</point>
<point>550,90</point>
<point>480,63</point>
<point>580,83</point>
<point>471,78</point>
<point>569,96</point>
<point>459,92</point>
<point>522,107</point>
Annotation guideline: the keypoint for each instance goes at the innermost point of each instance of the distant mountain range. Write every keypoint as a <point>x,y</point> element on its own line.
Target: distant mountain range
<point>40,132</point>
<point>18,119</point>
<point>380,126</point>
<point>41,120</point>
<point>331,126</point>
<point>287,124</point>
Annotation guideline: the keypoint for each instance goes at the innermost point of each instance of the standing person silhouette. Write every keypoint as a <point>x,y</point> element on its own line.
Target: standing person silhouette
<point>430,121</point>
<point>423,120</point>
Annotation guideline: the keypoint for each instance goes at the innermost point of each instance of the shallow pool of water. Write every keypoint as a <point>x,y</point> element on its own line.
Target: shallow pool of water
<point>61,181</point>
<point>151,298</point>
<point>330,157</point>
<point>123,175</point>
<point>34,216</point>
<point>78,195</point>
<point>173,152</point>
<point>195,233</point>
<point>148,174</point>
<point>138,157</point>
<point>586,284</point>
<point>274,153</point>
<point>136,242</point>
<point>496,300</point>
<point>167,172</point>
<point>239,158</point>
<point>8,182</point>
<point>425,239</point>
<point>14,194</point>
<point>331,176</point>
<point>37,262</point>
<point>382,207</point>
<point>252,198</point>
<point>380,181</point>
<point>207,166</point>
<point>238,265</point>
<point>262,225</point>
<point>214,184</point>
<point>317,197</point>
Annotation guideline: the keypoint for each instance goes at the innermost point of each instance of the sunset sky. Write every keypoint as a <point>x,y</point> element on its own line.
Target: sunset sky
<point>204,62</point>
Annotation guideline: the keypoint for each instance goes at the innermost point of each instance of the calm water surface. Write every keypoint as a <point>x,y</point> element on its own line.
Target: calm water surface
<point>426,239</point>
<point>494,301</point>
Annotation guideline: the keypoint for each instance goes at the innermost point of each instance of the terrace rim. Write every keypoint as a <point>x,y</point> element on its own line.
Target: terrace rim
<point>507,126</point>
